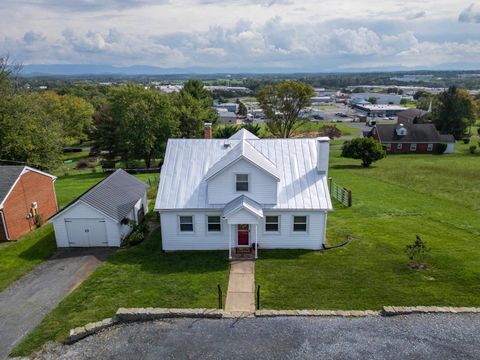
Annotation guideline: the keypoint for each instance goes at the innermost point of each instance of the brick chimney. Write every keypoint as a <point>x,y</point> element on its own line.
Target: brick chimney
<point>208,130</point>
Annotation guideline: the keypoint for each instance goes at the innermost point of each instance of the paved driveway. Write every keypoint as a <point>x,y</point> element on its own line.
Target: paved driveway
<point>403,337</point>
<point>26,302</point>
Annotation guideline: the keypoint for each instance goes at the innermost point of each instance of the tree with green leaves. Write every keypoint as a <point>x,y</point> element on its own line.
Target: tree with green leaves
<point>193,107</point>
<point>255,129</point>
<point>74,113</point>
<point>372,100</point>
<point>366,149</point>
<point>224,132</point>
<point>282,104</point>
<point>144,121</point>
<point>28,133</point>
<point>242,109</point>
<point>454,112</point>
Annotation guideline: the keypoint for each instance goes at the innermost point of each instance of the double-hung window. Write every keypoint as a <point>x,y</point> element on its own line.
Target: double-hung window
<point>271,224</point>
<point>186,223</point>
<point>399,146</point>
<point>429,147</point>
<point>241,182</point>
<point>413,147</point>
<point>299,223</point>
<point>214,224</point>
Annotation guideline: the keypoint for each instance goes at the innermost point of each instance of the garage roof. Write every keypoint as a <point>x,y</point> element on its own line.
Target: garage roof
<point>115,196</point>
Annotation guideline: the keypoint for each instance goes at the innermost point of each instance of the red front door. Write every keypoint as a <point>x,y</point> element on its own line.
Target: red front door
<point>243,233</point>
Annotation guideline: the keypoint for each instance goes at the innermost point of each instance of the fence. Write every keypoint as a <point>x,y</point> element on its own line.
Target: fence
<point>340,193</point>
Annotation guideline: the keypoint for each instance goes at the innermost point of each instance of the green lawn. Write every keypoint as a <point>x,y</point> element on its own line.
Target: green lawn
<point>138,277</point>
<point>20,257</point>
<point>401,196</point>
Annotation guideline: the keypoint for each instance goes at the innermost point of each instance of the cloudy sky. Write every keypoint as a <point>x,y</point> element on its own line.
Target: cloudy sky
<point>244,35</point>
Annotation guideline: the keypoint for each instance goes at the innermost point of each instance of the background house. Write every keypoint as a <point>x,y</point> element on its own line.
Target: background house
<point>411,116</point>
<point>411,138</point>
<point>99,217</point>
<point>27,198</point>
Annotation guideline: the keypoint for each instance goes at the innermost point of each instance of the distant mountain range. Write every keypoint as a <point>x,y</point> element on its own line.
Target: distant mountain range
<point>34,70</point>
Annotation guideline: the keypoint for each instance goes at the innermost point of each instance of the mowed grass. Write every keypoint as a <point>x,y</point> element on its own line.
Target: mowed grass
<point>20,257</point>
<point>436,197</point>
<point>138,277</point>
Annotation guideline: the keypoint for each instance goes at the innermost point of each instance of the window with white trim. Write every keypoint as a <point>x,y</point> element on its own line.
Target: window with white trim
<point>413,147</point>
<point>299,223</point>
<point>186,223</point>
<point>214,224</point>
<point>389,147</point>
<point>430,147</point>
<point>399,146</point>
<point>271,223</point>
<point>241,182</point>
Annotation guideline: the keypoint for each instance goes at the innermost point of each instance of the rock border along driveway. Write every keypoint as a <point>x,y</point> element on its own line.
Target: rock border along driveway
<point>126,315</point>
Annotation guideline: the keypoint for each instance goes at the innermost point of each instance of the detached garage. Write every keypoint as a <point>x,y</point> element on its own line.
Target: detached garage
<point>100,216</point>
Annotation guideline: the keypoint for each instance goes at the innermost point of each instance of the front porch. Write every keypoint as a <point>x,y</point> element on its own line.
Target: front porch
<point>242,253</point>
<point>243,216</point>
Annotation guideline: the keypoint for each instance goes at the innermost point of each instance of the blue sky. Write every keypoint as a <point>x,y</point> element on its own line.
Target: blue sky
<point>244,35</point>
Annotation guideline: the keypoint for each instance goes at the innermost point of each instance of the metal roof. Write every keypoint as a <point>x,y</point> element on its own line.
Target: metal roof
<point>243,134</point>
<point>242,202</point>
<point>243,150</point>
<point>183,183</point>
<point>115,196</point>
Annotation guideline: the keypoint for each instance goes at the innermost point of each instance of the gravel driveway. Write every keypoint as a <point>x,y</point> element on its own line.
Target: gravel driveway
<point>444,336</point>
<point>25,303</point>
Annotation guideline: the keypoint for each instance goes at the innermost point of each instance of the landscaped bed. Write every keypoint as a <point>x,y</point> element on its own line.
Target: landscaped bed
<point>138,277</point>
<point>434,196</point>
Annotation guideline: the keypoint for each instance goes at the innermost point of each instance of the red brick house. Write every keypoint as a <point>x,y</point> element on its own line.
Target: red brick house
<point>27,197</point>
<point>411,138</point>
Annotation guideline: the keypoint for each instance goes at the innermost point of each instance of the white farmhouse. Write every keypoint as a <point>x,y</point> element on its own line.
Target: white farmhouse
<point>244,193</point>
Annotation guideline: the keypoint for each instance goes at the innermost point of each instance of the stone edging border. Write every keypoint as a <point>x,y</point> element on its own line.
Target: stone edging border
<point>125,315</point>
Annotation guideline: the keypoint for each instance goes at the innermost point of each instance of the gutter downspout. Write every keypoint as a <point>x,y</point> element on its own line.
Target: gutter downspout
<point>7,237</point>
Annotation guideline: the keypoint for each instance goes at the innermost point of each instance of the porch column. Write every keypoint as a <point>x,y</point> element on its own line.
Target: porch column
<point>229,241</point>
<point>256,241</point>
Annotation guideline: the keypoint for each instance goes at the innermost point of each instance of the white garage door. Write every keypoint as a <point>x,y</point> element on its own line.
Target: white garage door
<point>86,232</point>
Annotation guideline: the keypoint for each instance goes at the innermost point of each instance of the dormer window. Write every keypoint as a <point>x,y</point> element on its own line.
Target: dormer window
<point>401,130</point>
<point>241,183</point>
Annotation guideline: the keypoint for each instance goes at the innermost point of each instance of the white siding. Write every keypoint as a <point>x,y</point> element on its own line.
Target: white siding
<point>243,217</point>
<point>82,211</point>
<point>200,239</point>
<point>262,187</point>
<point>450,148</point>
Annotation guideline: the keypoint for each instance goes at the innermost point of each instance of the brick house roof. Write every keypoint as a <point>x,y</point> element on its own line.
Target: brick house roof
<point>416,133</point>
<point>8,176</point>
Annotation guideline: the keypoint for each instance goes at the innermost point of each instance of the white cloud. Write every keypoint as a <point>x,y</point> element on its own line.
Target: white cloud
<point>241,34</point>
<point>470,14</point>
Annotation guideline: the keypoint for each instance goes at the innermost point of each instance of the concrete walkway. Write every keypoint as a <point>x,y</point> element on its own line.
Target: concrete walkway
<point>25,303</point>
<point>241,288</point>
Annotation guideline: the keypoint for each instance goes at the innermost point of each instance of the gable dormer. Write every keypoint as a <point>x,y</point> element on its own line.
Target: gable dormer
<point>401,130</point>
<point>242,171</point>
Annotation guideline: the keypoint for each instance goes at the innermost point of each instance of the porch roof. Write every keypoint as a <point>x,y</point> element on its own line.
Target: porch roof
<point>242,203</point>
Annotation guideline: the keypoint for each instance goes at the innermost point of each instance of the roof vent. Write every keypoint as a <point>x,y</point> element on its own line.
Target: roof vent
<point>226,144</point>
